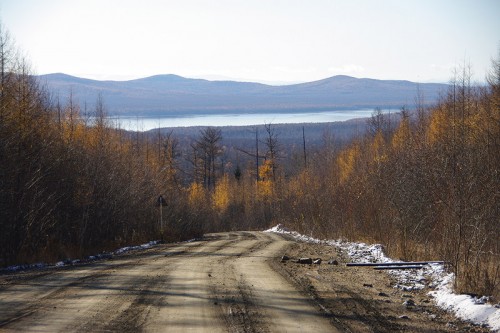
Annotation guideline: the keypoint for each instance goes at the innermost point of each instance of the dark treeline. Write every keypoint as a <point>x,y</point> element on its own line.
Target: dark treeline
<point>238,143</point>
<point>69,187</point>
<point>425,185</point>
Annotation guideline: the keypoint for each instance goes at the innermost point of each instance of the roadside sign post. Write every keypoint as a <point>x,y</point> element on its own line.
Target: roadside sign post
<point>161,202</point>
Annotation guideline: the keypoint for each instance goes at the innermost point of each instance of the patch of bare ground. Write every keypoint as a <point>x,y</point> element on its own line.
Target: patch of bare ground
<point>362,299</point>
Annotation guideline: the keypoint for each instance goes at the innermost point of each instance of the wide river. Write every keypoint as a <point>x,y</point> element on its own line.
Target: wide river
<point>239,119</point>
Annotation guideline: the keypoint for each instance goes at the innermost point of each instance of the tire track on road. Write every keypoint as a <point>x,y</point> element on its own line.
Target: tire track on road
<point>156,288</point>
<point>255,298</point>
<point>282,307</point>
<point>231,292</point>
<point>56,300</point>
<point>221,283</point>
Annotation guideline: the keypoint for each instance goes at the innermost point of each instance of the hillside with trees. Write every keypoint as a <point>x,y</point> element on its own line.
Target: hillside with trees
<point>162,95</point>
<point>425,186</point>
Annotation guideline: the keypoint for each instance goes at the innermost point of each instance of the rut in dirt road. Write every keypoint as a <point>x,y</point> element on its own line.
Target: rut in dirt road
<point>222,283</point>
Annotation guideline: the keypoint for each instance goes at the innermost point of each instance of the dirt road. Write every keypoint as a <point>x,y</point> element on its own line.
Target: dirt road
<point>220,284</point>
<point>228,282</point>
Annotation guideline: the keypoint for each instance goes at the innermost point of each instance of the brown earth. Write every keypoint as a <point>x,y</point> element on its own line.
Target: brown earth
<point>361,299</point>
<point>227,282</point>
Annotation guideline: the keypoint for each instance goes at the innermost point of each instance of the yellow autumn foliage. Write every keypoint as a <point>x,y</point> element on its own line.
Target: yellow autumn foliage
<point>266,176</point>
<point>220,196</point>
<point>437,126</point>
<point>196,195</point>
<point>401,136</point>
<point>346,162</point>
<point>378,148</point>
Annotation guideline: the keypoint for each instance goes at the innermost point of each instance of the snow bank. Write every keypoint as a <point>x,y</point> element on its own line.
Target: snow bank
<point>463,306</point>
<point>69,262</point>
<point>16,268</point>
<point>281,229</point>
<point>138,247</point>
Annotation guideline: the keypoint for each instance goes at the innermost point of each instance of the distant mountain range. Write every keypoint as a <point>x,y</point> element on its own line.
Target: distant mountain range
<point>162,95</point>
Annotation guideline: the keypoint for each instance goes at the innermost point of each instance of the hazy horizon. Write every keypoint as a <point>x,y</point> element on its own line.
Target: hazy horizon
<point>277,42</point>
<point>223,78</point>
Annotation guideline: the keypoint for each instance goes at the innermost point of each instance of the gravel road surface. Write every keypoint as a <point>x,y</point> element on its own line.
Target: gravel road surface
<point>226,282</point>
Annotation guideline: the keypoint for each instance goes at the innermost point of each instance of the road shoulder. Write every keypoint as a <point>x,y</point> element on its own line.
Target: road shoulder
<point>362,299</point>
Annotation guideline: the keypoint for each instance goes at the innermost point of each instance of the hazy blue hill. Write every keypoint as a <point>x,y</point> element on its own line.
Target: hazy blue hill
<point>171,94</point>
<point>174,83</point>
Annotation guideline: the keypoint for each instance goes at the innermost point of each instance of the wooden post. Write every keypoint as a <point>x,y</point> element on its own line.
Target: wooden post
<point>257,152</point>
<point>304,141</point>
<point>161,202</point>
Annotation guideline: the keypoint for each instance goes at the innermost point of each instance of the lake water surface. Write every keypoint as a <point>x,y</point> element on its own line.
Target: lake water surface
<point>239,119</point>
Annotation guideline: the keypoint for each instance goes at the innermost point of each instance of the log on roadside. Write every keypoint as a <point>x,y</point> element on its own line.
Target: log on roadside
<point>399,267</point>
<point>410,263</point>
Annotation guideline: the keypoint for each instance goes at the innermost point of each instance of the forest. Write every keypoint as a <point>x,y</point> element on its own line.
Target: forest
<point>425,185</point>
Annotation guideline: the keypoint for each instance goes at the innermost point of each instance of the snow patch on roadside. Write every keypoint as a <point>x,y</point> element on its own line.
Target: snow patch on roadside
<point>16,268</point>
<point>138,247</point>
<point>434,276</point>
<point>466,307</point>
<point>100,256</point>
<point>70,262</point>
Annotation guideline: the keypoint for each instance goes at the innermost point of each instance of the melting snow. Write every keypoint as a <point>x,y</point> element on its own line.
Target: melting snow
<point>464,306</point>
<point>138,247</point>
<point>104,255</point>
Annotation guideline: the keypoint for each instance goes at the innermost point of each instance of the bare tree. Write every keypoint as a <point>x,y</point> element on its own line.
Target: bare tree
<point>171,153</point>
<point>209,144</point>
<point>273,148</point>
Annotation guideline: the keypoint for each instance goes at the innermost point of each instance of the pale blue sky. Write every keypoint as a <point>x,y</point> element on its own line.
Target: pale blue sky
<point>256,40</point>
